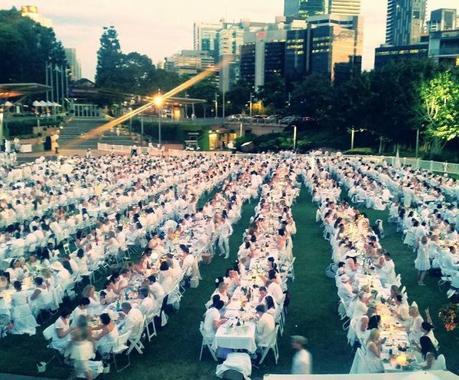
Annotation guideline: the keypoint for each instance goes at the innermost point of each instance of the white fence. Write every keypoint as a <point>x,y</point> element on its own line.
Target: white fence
<point>434,166</point>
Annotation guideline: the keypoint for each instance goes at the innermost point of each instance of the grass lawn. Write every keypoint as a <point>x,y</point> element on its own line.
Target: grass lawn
<point>173,354</point>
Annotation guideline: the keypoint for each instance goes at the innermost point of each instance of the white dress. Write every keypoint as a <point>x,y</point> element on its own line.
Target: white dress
<point>21,315</point>
<point>373,363</point>
<point>422,262</point>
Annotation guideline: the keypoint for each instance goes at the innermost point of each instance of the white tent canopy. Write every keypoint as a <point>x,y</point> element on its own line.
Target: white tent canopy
<point>431,375</point>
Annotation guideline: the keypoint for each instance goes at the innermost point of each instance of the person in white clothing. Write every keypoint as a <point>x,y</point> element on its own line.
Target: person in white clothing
<point>302,360</point>
<point>133,320</point>
<point>213,320</point>
<point>226,230</point>
<point>266,327</point>
<point>147,303</point>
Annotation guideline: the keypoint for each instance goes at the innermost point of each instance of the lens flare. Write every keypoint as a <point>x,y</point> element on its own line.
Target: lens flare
<point>155,101</point>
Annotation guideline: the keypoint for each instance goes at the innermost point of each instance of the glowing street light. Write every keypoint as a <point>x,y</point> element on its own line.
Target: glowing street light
<point>158,101</point>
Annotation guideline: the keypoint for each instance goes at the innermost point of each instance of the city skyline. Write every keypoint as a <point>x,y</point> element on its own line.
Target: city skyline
<point>81,28</point>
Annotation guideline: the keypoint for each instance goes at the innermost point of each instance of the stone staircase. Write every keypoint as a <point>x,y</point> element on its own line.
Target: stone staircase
<point>77,127</point>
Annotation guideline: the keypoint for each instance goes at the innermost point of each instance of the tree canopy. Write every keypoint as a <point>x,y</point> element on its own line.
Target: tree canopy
<point>26,47</point>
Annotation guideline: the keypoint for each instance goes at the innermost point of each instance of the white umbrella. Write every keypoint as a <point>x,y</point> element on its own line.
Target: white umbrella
<point>8,104</point>
<point>56,105</point>
<point>42,103</point>
<point>36,103</point>
<point>49,104</point>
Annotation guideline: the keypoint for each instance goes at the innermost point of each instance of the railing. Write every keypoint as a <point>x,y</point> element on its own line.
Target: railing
<point>434,166</point>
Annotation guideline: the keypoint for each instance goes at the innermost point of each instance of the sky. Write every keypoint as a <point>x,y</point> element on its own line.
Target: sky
<point>159,28</point>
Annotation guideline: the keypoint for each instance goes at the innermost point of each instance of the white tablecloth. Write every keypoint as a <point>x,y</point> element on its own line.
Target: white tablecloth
<point>236,338</point>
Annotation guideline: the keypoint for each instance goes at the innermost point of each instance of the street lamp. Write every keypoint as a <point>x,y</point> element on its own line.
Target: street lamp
<point>294,137</point>
<point>159,101</point>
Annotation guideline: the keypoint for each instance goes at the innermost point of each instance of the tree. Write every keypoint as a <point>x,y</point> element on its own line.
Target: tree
<point>26,47</point>
<point>313,98</point>
<point>395,104</point>
<point>239,97</point>
<point>274,94</point>
<point>109,59</point>
<point>440,106</point>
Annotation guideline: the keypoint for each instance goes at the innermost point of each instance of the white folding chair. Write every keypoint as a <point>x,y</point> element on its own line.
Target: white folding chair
<point>271,346</point>
<point>120,348</point>
<point>206,343</point>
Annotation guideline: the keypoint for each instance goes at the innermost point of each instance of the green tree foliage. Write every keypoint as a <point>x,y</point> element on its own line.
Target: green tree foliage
<point>26,47</point>
<point>239,97</point>
<point>122,75</point>
<point>313,98</point>
<point>274,94</point>
<point>440,106</point>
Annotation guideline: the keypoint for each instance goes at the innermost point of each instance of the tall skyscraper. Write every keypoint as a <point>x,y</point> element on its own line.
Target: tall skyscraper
<point>306,8</point>
<point>205,37</point>
<point>442,19</point>
<point>74,63</point>
<point>405,21</point>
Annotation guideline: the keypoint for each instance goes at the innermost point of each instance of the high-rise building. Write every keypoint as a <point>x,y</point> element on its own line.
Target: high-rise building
<point>307,8</point>
<point>336,47</point>
<point>304,9</point>
<point>263,56</point>
<point>74,63</point>
<point>344,7</point>
<point>386,54</point>
<point>296,54</point>
<point>443,19</point>
<point>189,62</point>
<point>444,47</point>
<point>330,45</point>
<point>31,11</point>
<point>405,21</point>
<point>205,37</point>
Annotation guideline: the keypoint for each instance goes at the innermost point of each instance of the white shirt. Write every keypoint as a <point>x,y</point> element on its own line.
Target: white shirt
<point>301,362</point>
<point>211,316</point>
<point>276,291</point>
<point>266,327</point>
<point>147,305</point>
<point>134,322</point>
<point>157,291</point>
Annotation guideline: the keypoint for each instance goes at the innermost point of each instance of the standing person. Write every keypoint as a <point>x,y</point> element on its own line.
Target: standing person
<point>302,360</point>
<point>422,262</point>
<point>226,231</point>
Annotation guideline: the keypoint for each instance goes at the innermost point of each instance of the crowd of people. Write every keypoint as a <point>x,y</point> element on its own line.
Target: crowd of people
<point>373,305</point>
<point>247,310</point>
<point>134,223</point>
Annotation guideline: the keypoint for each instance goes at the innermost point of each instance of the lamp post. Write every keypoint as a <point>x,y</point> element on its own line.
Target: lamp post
<point>294,137</point>
<point>159,104</point>
<point>1,124</point>
<point>141,130</point>
<point>251,105</point>
<point>417,143</point>
<point>352,138</point>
